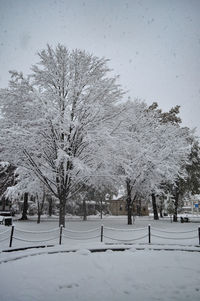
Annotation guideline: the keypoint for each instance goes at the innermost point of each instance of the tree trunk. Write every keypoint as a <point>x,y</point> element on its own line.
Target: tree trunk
<point>139,207</point>
<point>39,212</point>
<point>128,200</point>
<point>62,210</point>
<point>161,206</point>
<point>84,210</point>
<point>155,211</point>
<point>175,219</point>
<point>25,207</point>
<point>101,210</point>
<point>38,218</point>
<point>129,208</point>
<point>50,201</point>
<point>161,210</point>
<point>3,200</point>
<point>40,206</point>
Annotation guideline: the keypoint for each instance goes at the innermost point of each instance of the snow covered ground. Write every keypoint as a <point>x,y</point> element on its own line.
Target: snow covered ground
<point>120,276</point>
<point>72,271</point>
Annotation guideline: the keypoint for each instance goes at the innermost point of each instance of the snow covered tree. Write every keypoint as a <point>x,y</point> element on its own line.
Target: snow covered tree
<point>96,197</point>
<point>26,187</point>
<point>190,184</point>
<point>7,179</point>
<point>73,102</point>
<point>65,124</point>
<point>21,120</point>
<point>167,117</point>
<point>151,152</point>
<point>172,118</point>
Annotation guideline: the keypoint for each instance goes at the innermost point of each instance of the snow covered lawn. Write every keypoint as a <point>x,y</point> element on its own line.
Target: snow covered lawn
<point>111,275</point>
<point>141,272</point>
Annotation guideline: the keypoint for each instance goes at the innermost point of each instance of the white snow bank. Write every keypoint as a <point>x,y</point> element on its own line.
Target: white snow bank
<point>83,252</point>
<point>114,276</point>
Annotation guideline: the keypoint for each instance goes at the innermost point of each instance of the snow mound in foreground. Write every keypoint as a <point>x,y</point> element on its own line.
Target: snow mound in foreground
<point>83,252</point>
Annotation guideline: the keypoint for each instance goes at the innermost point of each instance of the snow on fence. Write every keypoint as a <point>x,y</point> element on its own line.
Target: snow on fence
<point>80,235</point>
<point>113,234</point>
<point>105,234</point>
<point>175,235</point>
<point>16,233</point>
<point>4,235</point>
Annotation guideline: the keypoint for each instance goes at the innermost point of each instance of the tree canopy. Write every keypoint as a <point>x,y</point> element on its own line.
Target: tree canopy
<point>68,124</point>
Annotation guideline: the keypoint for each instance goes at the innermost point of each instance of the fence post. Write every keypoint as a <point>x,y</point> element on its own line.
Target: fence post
<point>101,233</point>
<point>199,234</point>
<point>149,233</point>
<point>60,239</point>
<point>11,236</point>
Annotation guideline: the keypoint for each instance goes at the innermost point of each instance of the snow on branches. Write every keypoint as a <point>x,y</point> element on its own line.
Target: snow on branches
<point>76,99</point>
<point>65,122</point>
<point>150,152</point>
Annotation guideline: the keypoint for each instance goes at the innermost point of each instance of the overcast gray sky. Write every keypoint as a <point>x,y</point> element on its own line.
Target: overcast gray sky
<point>154,45</point>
